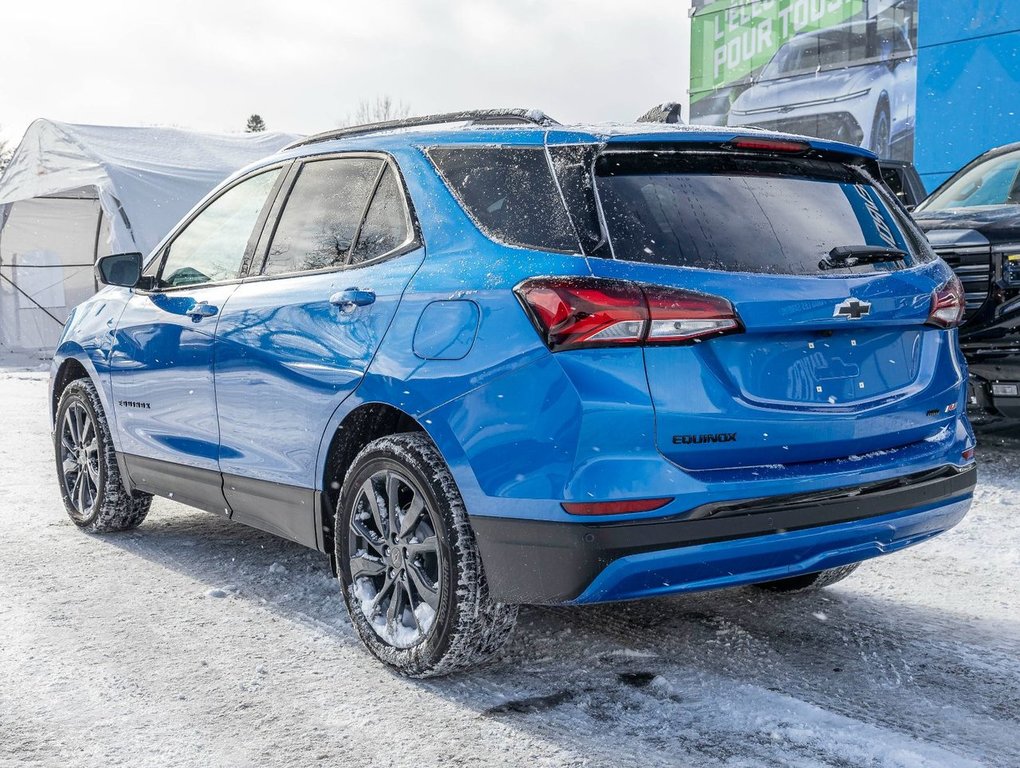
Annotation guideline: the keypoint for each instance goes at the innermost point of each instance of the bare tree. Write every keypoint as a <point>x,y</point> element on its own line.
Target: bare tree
<point>6,152</point>
<point>381,109</point>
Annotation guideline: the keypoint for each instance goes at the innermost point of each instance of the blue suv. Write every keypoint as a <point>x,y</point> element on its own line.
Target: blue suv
<point>484,359</point>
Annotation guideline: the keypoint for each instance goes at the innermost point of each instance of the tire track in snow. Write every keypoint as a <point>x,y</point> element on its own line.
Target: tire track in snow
<point>926,645</point>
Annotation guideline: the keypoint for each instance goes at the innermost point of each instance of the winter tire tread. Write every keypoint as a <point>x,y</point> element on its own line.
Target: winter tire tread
<point>116,509</point>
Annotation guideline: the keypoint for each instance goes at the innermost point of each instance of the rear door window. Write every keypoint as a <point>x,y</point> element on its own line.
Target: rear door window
<point>744,215</point>
<point>510,193</point>
<point>387,224</point>
<point>320,220</point>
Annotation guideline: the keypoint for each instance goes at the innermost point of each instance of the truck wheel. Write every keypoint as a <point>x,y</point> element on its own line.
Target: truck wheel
<point>409,567</point>
<point>90,483</point>
<point>809,581</point>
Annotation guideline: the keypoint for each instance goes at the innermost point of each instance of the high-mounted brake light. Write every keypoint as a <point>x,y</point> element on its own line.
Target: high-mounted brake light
<point>948,304</point>
<point>578,312</point>
<point>769,145</point>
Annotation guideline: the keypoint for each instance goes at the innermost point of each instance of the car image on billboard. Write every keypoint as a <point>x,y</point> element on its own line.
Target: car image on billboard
<point>853,83</point>
<point>847,75</point>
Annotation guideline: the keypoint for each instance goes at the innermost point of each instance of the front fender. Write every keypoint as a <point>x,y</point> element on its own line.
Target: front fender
<point>88,338</point>
<point>71,350</point>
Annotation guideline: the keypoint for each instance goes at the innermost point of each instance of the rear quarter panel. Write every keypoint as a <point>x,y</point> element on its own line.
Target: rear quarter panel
<point>504,414</point>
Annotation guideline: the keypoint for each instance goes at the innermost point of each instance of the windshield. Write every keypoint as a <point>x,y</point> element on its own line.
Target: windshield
<point>838,48</point>
<point>993,182</point>
<point>826,50</point>
<point>749,214</point>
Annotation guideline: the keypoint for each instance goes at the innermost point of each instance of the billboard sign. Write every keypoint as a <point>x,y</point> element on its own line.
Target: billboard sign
<point>833,69</point>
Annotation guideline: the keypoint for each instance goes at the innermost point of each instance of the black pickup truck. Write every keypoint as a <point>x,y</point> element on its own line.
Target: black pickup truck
<point>973,222</point>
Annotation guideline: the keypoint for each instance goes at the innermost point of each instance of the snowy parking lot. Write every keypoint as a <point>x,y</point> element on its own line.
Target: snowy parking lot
<point>194,641</point>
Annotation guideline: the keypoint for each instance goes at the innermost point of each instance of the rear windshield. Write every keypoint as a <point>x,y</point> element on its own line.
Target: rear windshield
<point>741,214</point>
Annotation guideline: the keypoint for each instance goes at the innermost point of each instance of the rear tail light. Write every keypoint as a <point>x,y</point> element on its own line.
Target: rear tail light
<point>947,304</point>
<point>679,316</point>
<point>579,312</point>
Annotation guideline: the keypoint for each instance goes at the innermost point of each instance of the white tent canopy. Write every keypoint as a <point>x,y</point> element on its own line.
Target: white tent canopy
<point>154,174</point>
<point>72,193</point>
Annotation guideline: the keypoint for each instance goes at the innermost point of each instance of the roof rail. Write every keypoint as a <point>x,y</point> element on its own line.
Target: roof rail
<point>474,116</point>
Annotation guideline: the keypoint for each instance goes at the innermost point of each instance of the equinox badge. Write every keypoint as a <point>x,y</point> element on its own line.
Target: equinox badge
<point>719,437</point>
<point>852,309</point>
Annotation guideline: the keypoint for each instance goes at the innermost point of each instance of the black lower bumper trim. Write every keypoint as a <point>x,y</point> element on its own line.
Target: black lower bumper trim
<point>533,561</point>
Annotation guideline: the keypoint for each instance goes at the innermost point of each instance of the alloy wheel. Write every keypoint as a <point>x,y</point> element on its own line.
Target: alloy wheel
<point>79,459</point>
<point>395,558</point>
<point>880,138</point>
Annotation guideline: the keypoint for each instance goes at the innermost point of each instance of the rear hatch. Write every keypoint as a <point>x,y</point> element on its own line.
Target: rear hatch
<point>832,288</point>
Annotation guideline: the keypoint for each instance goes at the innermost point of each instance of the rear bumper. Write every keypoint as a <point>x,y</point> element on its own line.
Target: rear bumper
<point>722,545</point>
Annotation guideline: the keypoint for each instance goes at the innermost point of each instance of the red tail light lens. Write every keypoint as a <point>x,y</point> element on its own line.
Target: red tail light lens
<point>578,312</point>
<point>679,316</point>
<point>574,312</point>
<point>770,145</point>
<point>947,304</point>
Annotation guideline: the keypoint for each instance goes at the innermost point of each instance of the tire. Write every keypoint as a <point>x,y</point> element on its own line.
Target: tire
<point>91,487</point>
<point>415,589</point>
<point>809,581</point>
<point>881,131</point>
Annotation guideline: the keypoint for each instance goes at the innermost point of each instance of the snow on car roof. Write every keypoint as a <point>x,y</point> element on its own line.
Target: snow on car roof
<point>466,132</point>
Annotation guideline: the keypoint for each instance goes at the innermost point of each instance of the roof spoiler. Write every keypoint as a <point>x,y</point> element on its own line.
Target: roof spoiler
<point>663,113</point>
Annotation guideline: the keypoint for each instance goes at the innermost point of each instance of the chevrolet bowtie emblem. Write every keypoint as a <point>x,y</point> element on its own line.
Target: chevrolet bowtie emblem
<point>852,309</point>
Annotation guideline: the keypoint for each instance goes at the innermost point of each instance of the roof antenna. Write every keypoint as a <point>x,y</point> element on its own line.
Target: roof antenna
<point>663,113</point>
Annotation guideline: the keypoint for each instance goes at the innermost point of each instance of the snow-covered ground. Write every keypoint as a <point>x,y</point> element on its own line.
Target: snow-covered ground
<point>195,641</point>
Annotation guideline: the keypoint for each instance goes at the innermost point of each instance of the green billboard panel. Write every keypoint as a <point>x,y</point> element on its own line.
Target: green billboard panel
<point>730,40</point>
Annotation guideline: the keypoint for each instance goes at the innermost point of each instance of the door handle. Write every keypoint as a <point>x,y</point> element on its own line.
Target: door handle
<point>200,310</point>
<point>351,298</point>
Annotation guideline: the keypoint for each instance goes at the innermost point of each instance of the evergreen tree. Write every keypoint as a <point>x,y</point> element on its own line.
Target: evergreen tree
<point>255,124</point>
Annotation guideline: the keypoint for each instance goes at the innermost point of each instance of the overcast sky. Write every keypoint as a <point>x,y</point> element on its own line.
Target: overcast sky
<point>305,64</point>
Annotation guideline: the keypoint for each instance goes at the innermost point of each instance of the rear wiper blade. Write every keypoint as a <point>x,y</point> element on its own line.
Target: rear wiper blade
<point>852,255</point>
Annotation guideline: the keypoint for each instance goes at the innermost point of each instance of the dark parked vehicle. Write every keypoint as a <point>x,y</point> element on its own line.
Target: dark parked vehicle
<point>973,222</point>
<point>905,182</point>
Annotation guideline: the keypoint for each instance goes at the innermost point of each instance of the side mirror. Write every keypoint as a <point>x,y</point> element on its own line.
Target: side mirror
<point>123,269</point>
